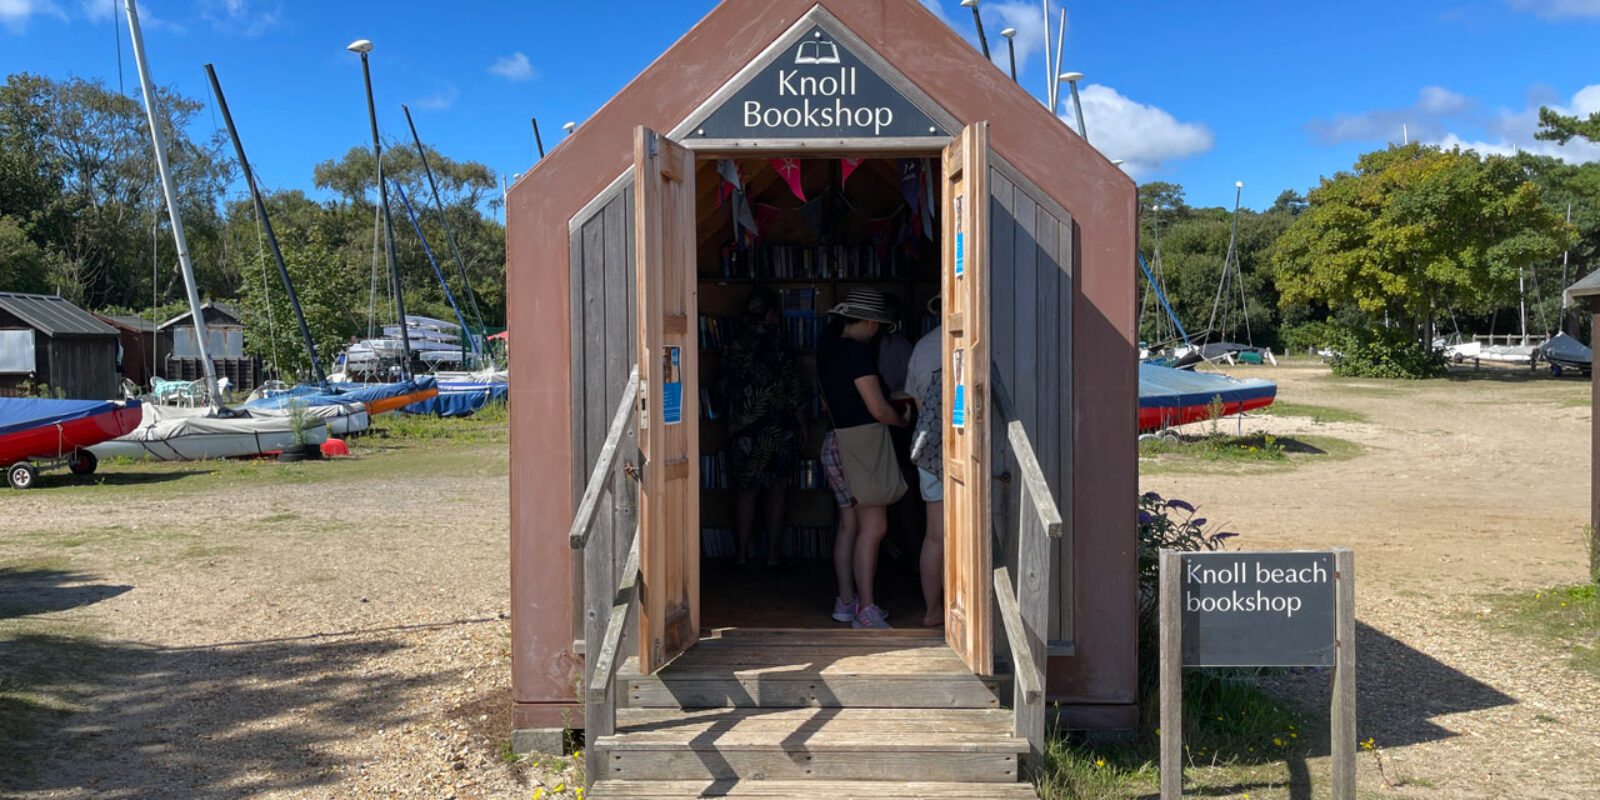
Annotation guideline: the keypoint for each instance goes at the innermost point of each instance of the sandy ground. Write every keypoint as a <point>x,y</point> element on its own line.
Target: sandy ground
<point>339,630</point>
<point>1463,488</point>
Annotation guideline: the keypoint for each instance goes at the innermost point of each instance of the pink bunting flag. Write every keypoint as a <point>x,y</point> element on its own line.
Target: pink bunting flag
<point>848,169</point>
<point>789,170</point>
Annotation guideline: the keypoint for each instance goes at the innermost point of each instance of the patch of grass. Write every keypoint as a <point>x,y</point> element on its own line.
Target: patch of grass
<point>1224,453</point>
<point>491,425</point>
<point>281,518</point>
<point>1562,620</point>
<point>1234,734</point>
<point>1318,414</point>
<point>1255,447</point>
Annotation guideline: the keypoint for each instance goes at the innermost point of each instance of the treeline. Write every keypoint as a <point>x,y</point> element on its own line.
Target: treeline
<point>81,213</point>
<point>1412,243</point>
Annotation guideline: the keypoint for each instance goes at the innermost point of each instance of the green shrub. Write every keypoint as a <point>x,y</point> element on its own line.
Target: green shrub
<point>1310,336</point>
<point>1384,354</point>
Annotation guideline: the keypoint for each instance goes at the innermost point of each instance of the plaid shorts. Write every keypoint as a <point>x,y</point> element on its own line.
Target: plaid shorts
<point>833,466</point>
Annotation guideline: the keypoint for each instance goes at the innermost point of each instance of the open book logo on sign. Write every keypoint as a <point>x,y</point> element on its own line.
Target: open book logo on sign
<point>820,51</point>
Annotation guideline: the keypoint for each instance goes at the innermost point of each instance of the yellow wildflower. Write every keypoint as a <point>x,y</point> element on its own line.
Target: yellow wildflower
<point>1277,741</point>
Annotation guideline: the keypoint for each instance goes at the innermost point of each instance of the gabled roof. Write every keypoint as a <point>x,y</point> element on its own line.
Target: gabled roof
<point>222,309</point>
<point>132,323</point>
<point>1586,288</point>
<point>53,316</point>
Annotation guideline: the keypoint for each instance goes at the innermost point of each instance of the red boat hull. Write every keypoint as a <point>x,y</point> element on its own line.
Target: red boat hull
<point>1155,419</point>
<point>59,440</point>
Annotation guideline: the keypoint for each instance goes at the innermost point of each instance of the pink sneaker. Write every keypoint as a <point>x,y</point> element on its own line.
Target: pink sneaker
<point>870,617</point>
<point>845,612</point>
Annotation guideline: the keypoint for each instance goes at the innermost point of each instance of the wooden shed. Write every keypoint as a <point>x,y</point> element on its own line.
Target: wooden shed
<point>812,147</point>
<point>46,340</point>
<point>142,350</point>
<point>225,335</point>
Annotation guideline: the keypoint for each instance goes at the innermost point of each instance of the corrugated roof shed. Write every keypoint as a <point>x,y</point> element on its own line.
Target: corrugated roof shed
<point>53,316</point>
<point>224,309</point>
<point>133,323</point>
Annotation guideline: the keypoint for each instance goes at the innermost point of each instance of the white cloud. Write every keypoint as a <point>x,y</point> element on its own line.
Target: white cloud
<point>514,67</point>
<point>1507,131</point>
<point>14,14</point>
<point>242,17</point>
<point>101,10</point>
<point>1145,137</point>
<point>1426,118</point>
<point>440,100</point>
<point>1027,16</point>
<point>1558,9</point>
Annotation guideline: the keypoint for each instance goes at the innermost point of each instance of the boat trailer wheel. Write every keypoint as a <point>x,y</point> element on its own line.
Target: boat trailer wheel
<point>22,475</point>
<point>83,462</point>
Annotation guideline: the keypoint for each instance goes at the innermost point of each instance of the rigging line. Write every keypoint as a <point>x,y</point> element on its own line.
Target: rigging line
<point>450,237</point>
<point>412,214</point>
<point>372,304</point>
<point>266,290</point>
<point>116,34</point>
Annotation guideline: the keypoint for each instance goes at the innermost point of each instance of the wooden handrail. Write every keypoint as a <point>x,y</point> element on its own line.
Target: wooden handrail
<point>605,660</point>
<point>1029,677</point>
<point>583,522</point>
<point>1033,479</point>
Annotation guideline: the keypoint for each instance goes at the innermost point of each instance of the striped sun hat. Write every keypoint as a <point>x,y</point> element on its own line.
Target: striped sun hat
<point>864,303</point>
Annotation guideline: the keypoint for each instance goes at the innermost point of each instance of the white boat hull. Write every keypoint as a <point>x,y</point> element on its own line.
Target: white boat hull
<point>181,434</point>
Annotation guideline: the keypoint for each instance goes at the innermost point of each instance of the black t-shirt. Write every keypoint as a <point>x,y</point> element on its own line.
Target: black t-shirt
<point>840,361</point>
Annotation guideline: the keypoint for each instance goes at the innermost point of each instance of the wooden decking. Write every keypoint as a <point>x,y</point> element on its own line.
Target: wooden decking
<point>811,713</point>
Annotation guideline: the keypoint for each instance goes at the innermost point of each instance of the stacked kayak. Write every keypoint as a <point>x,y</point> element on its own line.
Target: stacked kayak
<point>1169,397</point>
<point>52,432</point>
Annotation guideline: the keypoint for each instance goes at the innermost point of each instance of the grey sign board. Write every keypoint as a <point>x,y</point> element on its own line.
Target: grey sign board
<point>1258,609</point>
<point>817,89</point>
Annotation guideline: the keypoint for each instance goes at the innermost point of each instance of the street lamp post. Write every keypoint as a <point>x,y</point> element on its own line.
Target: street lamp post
<point>1011,48</point>
<point>364,47</point>
<point>973,4</point>
<point>1072,79</point>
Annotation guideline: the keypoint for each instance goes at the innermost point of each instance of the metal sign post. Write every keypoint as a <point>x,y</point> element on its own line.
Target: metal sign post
<point>1233,609</point>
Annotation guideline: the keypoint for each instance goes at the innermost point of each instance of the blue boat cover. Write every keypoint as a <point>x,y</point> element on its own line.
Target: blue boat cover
<point>24,413</point>
<point>312,394</point>
<point>1164,387</point>
<point>460,399</point>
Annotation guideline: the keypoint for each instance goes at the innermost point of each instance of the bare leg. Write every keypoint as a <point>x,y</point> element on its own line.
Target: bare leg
<point>873,523</point>
<point>844,547</point>
<point>932,565</point>
<point>744,518</point>
<point>776,497</point>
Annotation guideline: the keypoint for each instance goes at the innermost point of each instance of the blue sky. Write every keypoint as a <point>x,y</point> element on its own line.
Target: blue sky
<point>1274,94</point>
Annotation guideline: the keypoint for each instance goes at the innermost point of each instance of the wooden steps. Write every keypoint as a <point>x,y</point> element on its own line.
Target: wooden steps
<point>833,790</point>
<point>839,669</point>
<point>811,713</point>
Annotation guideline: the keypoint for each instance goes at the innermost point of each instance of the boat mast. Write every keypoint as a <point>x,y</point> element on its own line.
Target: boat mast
<point>364,47</point>
<point>170,192</point>
<point>266,225</point>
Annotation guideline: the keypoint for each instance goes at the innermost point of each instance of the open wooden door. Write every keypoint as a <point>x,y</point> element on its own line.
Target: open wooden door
<point>669,502</point>
<point>965,284</point>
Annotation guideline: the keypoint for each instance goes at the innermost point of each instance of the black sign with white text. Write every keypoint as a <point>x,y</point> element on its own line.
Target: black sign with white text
<point>1258,609</point>
<point>817,89</point>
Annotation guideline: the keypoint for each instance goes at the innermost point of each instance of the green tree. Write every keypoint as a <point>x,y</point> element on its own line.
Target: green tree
<point>271,332</point>
<point>21,261</point>
<point>1414,231</point>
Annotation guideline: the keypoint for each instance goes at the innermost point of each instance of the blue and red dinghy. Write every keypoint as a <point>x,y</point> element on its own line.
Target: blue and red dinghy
<point>1170,397</point>
<point>36,432</point>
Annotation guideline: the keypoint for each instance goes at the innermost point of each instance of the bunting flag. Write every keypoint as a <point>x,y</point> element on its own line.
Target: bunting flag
<point>732,181</point>
<point>848,168</point>
<point>880,232</point>
<point>911,184</point>
<point>815,215</point>
<point>789,170</point>
<point>927,200</point>
<point>764,215</point>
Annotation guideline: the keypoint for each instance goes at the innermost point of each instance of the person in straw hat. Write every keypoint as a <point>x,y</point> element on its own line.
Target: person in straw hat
<point>857,452</point>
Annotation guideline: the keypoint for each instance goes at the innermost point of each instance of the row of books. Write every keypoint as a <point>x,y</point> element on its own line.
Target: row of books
<point>799,262</point>
<point>714,472</point>
<point>795,543</point>
<point>801,331</point>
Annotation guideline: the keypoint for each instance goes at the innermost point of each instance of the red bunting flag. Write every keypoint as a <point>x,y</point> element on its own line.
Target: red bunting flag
<point>789,170</point>
<point>848,169</point>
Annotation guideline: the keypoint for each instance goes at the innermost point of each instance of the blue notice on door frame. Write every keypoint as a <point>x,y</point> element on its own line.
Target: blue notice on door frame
<point>672,387</point>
